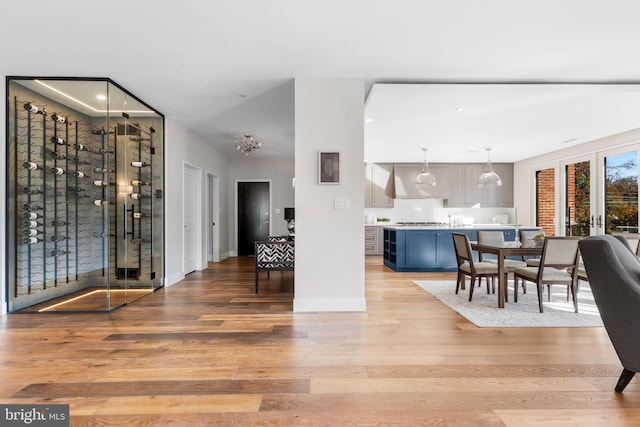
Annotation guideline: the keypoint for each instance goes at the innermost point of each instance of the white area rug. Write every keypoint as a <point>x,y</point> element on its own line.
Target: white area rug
<point>483,310</point>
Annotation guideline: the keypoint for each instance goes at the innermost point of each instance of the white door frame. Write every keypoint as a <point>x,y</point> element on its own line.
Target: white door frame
<point>197,214</point>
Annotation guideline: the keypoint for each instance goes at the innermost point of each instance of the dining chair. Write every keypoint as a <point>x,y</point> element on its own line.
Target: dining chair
<point>468,267</point>
<point>558,255</point>
<point>525,238</point>
<point>496,238</point>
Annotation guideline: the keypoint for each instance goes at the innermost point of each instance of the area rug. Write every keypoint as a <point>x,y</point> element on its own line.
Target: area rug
<point>483,310</point>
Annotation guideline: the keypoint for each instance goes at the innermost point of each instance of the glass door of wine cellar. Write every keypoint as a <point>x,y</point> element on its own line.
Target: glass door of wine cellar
<point>85,205</point>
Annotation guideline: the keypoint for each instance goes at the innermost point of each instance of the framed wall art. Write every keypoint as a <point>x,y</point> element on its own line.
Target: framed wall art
<point>329,167</point>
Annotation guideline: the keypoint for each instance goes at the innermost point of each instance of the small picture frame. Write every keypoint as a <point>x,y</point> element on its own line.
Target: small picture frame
<point>329,167</point>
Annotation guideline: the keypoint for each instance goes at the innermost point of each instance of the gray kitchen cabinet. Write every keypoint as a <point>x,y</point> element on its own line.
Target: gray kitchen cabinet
<point>464,191</point>
<point>405,181</point>
<point>373,241</point>
<point>379,186</point>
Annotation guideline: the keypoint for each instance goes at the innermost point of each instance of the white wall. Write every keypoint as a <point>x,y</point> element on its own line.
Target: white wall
<point>329,274</point>
<point>524,170</point>
<point>279,173</point>
<point>180,147</point>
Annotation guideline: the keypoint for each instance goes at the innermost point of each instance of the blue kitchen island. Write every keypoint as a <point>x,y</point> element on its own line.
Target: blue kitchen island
<point>430,248</point>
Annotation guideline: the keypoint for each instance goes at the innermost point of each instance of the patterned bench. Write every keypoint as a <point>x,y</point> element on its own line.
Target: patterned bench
<point>274,255</point>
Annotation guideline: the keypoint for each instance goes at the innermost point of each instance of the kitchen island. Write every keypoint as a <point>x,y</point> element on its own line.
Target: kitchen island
<point>430,248</point>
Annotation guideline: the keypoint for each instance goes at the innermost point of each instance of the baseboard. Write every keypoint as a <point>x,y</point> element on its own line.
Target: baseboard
<point>302,305</point>
<point>171,280</point>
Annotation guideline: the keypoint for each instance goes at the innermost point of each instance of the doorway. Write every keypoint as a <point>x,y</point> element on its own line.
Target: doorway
<point>253,218</point>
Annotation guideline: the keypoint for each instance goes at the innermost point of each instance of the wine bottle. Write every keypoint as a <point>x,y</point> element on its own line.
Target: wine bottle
<point>79,174</point>
<point>136,196</point>
<point>32,108</point>
<point>31,190</point>
<point>58,141</point>
<point>100,183</point>
<point>57,238</point>
<point>58,118</point>
<point>100,202</point>
<point>57,170</point>
<point>99,150</point>
<point>58,222</point>
<point>31,166</point>
<point>31,207</point>
<point>57,252</point>
<point>29,232</point>
<point>140,164</point>
<point>137,183</point>
<point>100,235</point>
<point>138,215</point>
<point>31,240</point>
<point>139,241</point>
<point>101,170</point>
<point>81,147</point>
<point>31,223</point>
<point>30,215</point>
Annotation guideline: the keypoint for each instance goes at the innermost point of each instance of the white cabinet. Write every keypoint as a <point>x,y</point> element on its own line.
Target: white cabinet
<point>379,187</point>
<point>464,191</point>
<point>373,240</point>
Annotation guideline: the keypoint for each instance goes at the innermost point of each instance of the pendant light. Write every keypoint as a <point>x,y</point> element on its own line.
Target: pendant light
<point>425,177</point>
<point>489,178</point>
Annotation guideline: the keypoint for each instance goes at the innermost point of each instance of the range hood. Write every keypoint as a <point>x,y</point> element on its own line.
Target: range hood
<point>405,180</point>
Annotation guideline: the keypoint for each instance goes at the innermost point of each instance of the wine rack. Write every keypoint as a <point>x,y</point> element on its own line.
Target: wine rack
<point>85,199</point>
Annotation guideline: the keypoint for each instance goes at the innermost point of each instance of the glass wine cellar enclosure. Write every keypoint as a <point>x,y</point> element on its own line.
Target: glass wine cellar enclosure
<point>85,206</point>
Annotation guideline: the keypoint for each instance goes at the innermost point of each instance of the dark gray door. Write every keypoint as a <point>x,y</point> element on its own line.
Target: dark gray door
<point>253,215</point>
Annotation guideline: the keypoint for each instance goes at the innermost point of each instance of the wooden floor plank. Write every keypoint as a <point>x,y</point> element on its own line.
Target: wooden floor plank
<point>209,351</point>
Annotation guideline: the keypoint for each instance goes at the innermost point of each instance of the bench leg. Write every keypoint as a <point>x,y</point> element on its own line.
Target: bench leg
<point>256,280</point>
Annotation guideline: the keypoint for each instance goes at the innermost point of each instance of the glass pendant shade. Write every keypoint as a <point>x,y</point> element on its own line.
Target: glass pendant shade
<point>489,178</point>
<point>425,177</point>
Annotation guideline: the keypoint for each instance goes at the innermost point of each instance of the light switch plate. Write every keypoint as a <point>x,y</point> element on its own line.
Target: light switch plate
<point>277,210</point>
<point>341,203</point>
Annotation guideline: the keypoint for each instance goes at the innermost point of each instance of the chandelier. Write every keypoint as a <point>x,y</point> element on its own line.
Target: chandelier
<point>489,178</point>
<point>426,177</point>
<point>248,145</point>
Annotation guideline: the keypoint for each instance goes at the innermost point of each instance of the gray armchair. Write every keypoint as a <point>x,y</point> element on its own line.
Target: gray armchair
<point>614,276</point>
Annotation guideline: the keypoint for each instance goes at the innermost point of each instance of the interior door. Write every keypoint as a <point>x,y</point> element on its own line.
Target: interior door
<point>253,215</point>
<point>618,191</point>
<point>189,195</point>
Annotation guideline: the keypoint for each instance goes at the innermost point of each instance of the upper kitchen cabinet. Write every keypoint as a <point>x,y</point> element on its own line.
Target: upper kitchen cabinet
<point>466,193</point>
<point>405,181</point>
<point>379,186</point>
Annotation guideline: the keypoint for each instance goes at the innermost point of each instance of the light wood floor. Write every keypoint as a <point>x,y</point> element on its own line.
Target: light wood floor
<point>209,352</point>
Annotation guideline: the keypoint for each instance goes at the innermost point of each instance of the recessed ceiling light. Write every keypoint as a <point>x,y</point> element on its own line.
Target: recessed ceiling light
<point>569,140</point>
<point>242,95</point>
<point>369,121</point>
<point>101,97</point>
<point>459,109</point>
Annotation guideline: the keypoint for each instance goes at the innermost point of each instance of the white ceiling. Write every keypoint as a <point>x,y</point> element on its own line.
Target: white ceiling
<point>224,68</point>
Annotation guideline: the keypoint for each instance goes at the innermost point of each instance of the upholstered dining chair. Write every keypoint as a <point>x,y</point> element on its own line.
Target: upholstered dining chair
<point>496,238</point>
<point>558,255</point>
<point>614,276</point>
<point>467,266</point>
<point>525,236</point>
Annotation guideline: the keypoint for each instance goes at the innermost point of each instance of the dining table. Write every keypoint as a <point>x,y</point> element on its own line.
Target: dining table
<point>502,251</point>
